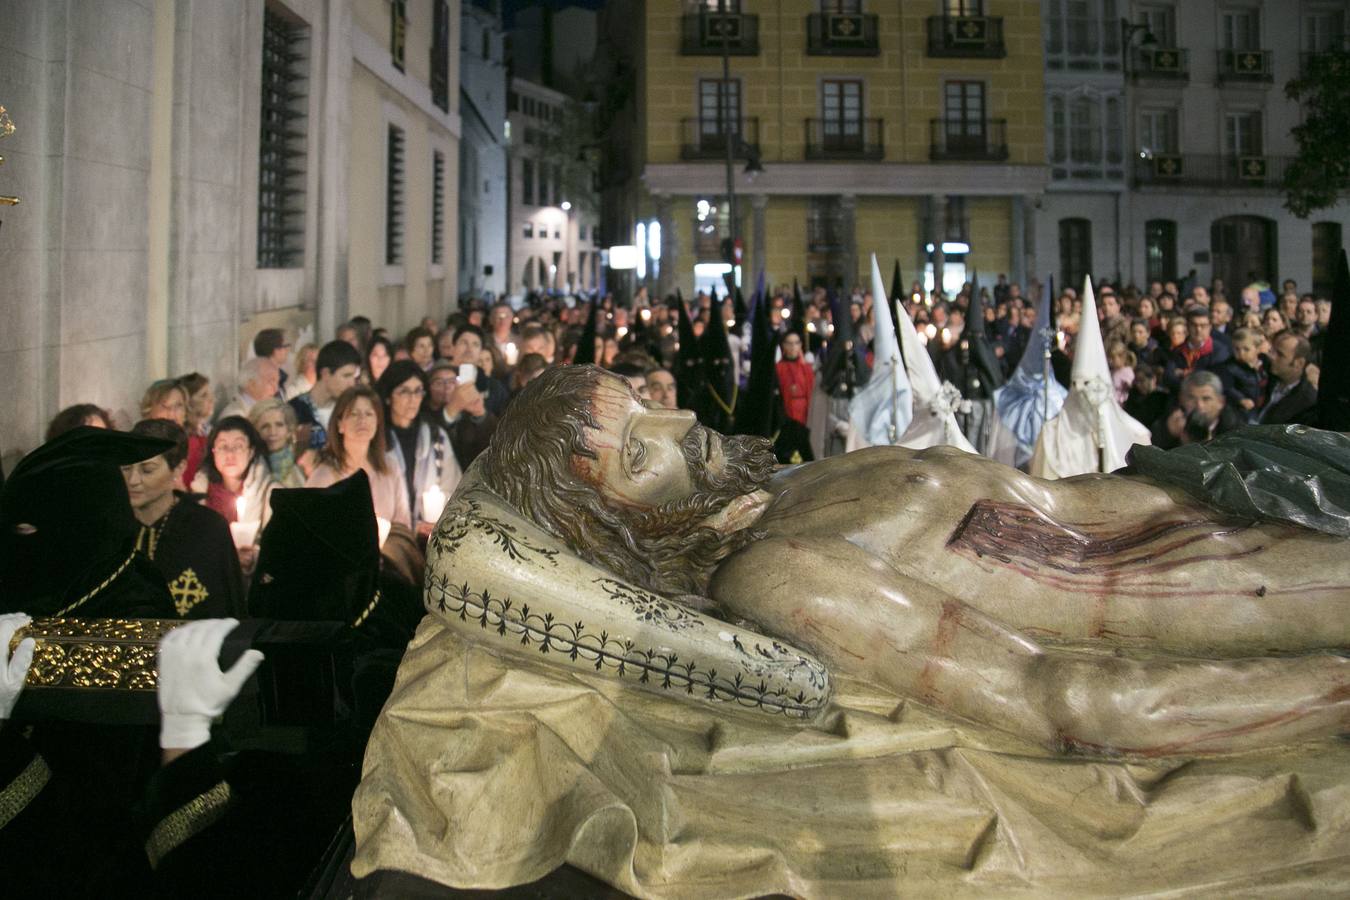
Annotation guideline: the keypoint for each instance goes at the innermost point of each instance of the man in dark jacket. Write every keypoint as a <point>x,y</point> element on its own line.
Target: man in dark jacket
<point>1199,352</point>
<point>1292,397</point>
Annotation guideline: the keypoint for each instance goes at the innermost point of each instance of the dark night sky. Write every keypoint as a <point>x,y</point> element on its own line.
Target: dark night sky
<point>511,7</point>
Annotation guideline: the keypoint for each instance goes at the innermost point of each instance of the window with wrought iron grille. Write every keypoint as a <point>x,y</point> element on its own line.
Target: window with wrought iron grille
<point>437,207</point>
<point>281,143</point>
<point>440,56</point>
<point>393,198</point>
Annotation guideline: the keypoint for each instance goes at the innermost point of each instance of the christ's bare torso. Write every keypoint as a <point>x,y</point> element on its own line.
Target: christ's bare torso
<point>1097,558</point>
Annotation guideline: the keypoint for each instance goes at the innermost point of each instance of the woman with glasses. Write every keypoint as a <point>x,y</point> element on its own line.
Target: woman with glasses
<point>237,481</point>
<point>418,446</point>
<point>356,440</point>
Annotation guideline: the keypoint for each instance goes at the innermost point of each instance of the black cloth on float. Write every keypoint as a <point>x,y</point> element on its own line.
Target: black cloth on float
<point>1333,384</point>
<point>718,373</point>
<point>67,533</point>
<point>1282,473</point>
<point>320,560</point>
<point>193,551</point>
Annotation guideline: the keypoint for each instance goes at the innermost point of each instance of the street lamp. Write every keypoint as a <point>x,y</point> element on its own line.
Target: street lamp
<point>1128,30</point>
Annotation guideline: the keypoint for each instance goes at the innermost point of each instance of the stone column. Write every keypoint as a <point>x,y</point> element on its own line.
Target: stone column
<point>334,131</point>
<point>758,262</point>
<point>848,227</point>
<point>1017,252</point>
<point>670,249</point>
<point>937,233</point>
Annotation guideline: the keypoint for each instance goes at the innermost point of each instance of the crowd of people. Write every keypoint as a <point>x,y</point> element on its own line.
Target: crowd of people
<point>387,424</point>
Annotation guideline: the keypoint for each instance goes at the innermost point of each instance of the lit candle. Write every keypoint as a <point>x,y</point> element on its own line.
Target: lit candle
<point>620,332</point>
<point>1059,339</point>
<point>811,327</point>
<point>382,525</point>
<point>645,314</point>
<point>244,532</point>
<point>433,501</point>
<point>946,336</point>
<point>787,313</point>
<point>930,331</point>
<point>510,352</point>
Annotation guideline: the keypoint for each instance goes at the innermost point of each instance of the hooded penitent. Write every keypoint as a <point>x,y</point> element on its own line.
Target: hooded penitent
<point>1333,385</point>
<point>67,533</point>
<point>760,410</point>
<point>882,408</point>
<point>1091,433</point>
<point>585,354</point>
<point>1030,398</point>
<point>688,369</point>
<point>719,373</point>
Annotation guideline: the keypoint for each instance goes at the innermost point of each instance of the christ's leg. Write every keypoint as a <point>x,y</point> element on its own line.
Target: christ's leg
<point>863,618</point>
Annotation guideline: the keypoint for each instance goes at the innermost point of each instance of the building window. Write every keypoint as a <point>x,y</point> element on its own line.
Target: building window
<point>1075,251</point>
<point>282,140</point>
<point>1326,249</point>
<point>543,183</point>
<point>557,184</point>
<point>963,7</point>
<point>529,229</point>
<point>1157,131</point>
<point>964,120</point>
<point>1160,21</point>
<point>1160,249</point>
<point>1082,34</point>
<point>1240,29</point>
<point>581,232</point>
<point>1242,133</point>
<point>440,55</point>
<point>841,114</point>
<point>393,198</point>
<point>398,31</point>
<point>437,207</point>
<point>527,182</point>
<point>718,99</point>
<point>1323,31</point>
<point>1086,136</point>
<point>512,101</point>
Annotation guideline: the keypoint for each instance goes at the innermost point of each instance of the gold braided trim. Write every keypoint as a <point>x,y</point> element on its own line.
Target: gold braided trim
<point>21,791</point>
<point>95,592</point>
<point>374,602</point>
<point>186,822</point>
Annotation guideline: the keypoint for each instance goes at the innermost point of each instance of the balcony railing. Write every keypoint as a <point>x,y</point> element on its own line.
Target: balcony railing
<point>968,139</point>
<point>1161,63</point>
<point>706,139</point>
<point>967,36</point>
<point>1245,66</point>
<point>705,34</point>
<point>845,139</point>
<point>1308,59</point>
<point>842,34</point>
<point>1209,170</point>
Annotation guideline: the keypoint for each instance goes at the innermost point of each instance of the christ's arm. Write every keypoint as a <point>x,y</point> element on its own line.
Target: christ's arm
<point>862,617</point>
<point>507,585</point>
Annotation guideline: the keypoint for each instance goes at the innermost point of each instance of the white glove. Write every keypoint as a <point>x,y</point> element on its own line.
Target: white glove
<point>13,669</point>
<point>843,428</point>
<point>192,689</point>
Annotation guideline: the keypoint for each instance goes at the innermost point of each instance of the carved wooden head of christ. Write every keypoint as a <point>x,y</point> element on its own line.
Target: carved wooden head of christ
<point>623,484</point>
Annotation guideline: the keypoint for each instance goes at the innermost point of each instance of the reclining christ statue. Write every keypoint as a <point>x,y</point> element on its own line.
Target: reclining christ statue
<point>1103,615</point>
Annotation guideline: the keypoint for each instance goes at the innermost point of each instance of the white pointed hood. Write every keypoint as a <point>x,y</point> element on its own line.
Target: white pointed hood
<point>1091,418</point>
<point>884,405</point>
<point>934,421</point>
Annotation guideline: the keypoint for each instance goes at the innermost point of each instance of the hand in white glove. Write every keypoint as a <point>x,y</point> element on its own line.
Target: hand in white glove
<point>192,689</point>
<point>13,669</point>
<point>843,428</point>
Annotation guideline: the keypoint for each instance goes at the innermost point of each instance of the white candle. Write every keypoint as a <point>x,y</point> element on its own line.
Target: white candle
<point>433,501</point>
<point>510,352</point>
<point>382,525</point>
<point>646,314</point>
<point>930,330</point>
<point>243,531</point>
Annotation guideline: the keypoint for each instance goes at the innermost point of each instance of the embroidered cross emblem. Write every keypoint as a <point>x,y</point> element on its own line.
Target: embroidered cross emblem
<point>187,592</point>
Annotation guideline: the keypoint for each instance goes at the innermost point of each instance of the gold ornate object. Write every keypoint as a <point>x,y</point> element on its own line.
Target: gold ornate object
<point>101,654</point>
<point>6,129</point>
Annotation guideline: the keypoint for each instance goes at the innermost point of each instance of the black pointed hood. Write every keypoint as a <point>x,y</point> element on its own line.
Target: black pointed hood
<point>841,361</point>
<point>718,372</point>
<point>897,284</point>
<point>981,352</point>
<point>585,354</point>
<point>65,517</point>
<point>798,324</point>
<point>760,410</point>
<point>688,361</point>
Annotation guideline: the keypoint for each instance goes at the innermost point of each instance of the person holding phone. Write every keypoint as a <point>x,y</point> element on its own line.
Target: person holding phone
<point>456,405</point>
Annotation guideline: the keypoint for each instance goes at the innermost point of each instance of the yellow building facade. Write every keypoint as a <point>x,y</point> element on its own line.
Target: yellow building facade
<point>854,127</point>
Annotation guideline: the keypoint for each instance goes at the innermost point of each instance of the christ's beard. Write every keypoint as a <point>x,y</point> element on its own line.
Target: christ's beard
<point>672,536</point>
